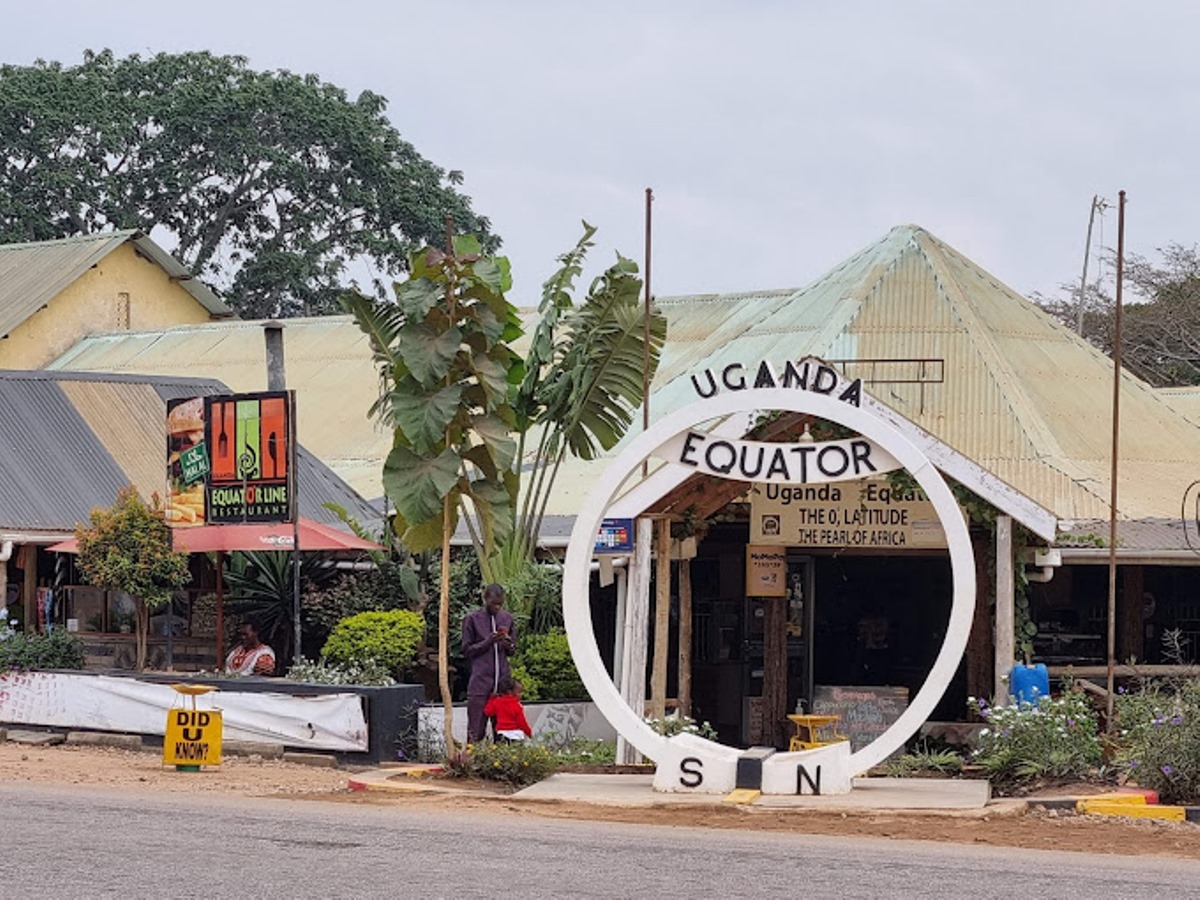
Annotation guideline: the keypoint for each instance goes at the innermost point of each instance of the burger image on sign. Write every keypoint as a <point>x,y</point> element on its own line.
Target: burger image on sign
<point>187,462</point>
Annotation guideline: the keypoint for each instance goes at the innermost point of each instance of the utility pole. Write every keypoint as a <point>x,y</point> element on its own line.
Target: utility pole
<point>1116,435</point>
<point>1099,204</point>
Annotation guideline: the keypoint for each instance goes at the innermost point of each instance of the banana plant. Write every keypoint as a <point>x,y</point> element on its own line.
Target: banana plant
<point>447,377</point>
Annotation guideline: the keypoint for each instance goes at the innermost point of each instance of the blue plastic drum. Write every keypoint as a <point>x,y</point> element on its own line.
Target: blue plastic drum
<point>1029,684</point>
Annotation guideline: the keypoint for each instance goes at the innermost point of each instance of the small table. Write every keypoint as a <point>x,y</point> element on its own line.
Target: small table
<point>815,731</point>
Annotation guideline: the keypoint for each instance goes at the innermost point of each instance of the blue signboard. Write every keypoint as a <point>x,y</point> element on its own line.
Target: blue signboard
<point>616,536</point>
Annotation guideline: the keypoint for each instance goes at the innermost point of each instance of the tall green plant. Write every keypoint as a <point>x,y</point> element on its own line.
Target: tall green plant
<point>583,381</point>
<point>446,383</point>
<point>127,547</point>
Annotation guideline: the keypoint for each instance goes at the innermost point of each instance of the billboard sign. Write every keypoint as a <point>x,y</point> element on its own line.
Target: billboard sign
<point>251,439</point>
<point>187,462</point>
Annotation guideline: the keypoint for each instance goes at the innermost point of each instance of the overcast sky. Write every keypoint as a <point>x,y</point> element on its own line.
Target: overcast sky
<point>779,137</point>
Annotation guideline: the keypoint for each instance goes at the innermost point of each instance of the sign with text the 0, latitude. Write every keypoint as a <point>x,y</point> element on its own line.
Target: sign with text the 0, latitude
<point>868,514</point>
<point>251,439</point>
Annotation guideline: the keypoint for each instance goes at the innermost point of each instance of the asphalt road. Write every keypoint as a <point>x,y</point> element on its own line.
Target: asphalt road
<point>64,843</point>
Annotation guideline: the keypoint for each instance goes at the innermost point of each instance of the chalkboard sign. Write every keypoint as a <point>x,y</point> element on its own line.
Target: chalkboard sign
<point>866,712</point>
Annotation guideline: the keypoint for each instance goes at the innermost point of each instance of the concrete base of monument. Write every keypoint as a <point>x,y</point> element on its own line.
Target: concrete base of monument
<point>819,772</point>
<point>693,765</point>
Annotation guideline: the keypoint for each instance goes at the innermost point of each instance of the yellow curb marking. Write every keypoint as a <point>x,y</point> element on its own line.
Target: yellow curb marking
<point>743,796</point>
<point>1135,799</point>
<point>1133,810</point>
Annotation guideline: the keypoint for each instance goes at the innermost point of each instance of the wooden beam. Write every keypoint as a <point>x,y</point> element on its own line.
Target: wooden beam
<point>637,628</point>
<point>662,619</point>
<point>29,587</point>
<point>1005,609</point>
<point>685,637</point>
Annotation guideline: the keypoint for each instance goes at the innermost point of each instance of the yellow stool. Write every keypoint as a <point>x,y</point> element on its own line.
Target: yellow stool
<point>815,731</point>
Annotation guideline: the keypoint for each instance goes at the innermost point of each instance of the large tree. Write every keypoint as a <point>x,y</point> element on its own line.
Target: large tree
<point>1161,327</point>
<point>276,188</point>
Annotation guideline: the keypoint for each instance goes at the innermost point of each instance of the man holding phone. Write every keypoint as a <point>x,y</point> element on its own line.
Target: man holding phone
<point>488,639</point>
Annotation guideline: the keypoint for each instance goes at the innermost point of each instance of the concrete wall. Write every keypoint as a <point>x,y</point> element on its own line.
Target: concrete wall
<point>95,303</point>
<point>567,720</point>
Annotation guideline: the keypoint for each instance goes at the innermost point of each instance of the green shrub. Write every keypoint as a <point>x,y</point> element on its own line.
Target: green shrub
<point>924,758</point>
<point>389,638</point>
<point>669,726</point>
<point>1159,738</point>
<point>517,763</point>
<point>546,661</point>
<point>391,585</point>
<point>370,673</point>
<point>1056,738</point>
<point>57,650</point>
<point>531,688</point>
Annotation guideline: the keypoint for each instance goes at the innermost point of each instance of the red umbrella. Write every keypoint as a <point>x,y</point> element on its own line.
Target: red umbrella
<point>229,538</point>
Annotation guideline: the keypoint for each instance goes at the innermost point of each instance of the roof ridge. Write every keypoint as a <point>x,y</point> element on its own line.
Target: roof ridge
<point>124,233</point>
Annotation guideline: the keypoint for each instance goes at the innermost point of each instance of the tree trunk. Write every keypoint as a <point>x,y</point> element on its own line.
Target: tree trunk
<point>143,630</point>
<point>444,631</point>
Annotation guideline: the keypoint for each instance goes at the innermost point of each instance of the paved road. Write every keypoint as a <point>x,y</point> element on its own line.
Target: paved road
<point>64,843</point>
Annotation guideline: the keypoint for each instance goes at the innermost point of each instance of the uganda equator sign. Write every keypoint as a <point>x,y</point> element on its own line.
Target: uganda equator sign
<point>690,763</point>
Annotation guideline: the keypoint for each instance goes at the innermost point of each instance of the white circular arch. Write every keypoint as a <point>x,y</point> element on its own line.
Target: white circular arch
<point>576,576</point>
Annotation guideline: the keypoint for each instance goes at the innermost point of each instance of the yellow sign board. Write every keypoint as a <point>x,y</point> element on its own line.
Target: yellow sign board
<point>193,738</point>
<point>852,514</point>
<point>766,571</point>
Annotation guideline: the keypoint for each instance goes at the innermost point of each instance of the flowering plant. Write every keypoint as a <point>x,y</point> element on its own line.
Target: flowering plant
<point>1054,738</point>
<point>1159,738</point>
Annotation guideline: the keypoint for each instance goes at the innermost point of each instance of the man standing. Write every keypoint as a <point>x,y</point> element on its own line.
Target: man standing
<point>488,639</point>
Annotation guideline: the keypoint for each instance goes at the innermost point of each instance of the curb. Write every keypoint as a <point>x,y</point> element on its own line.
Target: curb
<point>319,760</point>
<point>105,739</point>
<point>253,748</point>
<point>1132,803</point>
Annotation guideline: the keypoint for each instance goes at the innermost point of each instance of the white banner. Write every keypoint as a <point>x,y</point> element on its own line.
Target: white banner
<point>103,703</point>
<point>802,462</point>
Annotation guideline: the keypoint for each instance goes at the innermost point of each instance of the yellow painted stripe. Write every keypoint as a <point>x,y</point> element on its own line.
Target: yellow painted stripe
<point>1134,811</point>
<point>743,796</point>
<point>1136,799</point>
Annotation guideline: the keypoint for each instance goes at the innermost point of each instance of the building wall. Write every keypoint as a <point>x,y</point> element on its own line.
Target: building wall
<point>124,292</point>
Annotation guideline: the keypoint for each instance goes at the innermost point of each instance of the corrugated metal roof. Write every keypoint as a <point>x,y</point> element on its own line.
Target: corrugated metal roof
<point>1021,395</point>
<point>327,361</point>
<point>33,274</point>
<point>70,440</point>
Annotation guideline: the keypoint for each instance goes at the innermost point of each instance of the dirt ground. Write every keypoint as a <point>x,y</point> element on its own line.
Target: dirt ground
<point>110,768</point>
<point>107,767</point>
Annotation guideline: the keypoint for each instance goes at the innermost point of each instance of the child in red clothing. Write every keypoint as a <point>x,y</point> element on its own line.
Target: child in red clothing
<point>506,712</point>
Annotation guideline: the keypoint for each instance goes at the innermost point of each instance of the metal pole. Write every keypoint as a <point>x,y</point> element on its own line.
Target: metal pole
<point>297,656</point>
<point>1116,433</point>
<point>277,381</point>
<point>646,332</point>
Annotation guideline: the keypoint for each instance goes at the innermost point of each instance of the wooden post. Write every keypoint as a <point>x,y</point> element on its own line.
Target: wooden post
<point>29,587</point>
<point>685,636</point>
<point>662,619</point>
<point>1132,633</point>
<point>621,576</point>
<point>774,699</point>
<point>637,621</point>
<point>981,651</point>
<point>1005,609</point>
